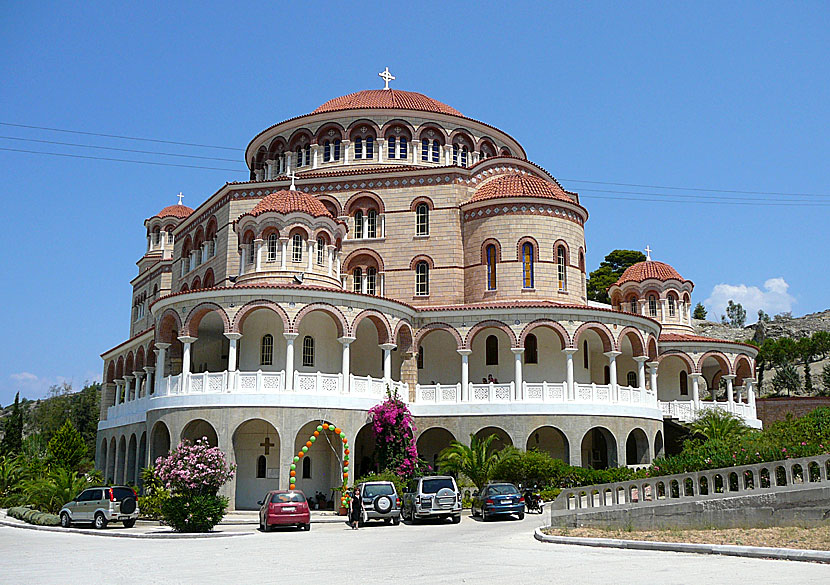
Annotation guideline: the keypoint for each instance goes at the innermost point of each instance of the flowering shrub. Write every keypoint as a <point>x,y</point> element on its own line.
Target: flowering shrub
<point>195,468</point>
<point>394,436</point>
<point>193,512</point>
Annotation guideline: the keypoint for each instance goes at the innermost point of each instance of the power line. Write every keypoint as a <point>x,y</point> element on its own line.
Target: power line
<point>697,189</point>
<point>117,136</point>
<point>118,149</point>
<point>141,162</point>
<point>728,202</point>
<point>711,197</point>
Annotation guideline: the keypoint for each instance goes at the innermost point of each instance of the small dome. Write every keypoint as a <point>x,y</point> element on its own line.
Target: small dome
<point>519,185</point>
<point>289,201</point>
<point>386,99</point>
<point>180,211</point>
<point>649,269</point>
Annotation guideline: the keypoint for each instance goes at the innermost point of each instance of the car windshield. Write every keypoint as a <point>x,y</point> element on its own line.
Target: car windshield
<point>503,489</point>
<point>287,498</point>
<point>119,493</point>
<point>378,489</point>
<point>431,486</point>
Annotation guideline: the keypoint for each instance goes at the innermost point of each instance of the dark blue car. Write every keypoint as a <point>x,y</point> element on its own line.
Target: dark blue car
<point>498,499</point>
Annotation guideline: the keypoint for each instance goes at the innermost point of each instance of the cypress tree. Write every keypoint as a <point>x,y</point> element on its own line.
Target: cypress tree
<point>13,436</point>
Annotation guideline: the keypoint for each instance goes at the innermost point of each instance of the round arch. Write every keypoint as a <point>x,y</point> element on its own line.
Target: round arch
<point>168,323</point>
<point>199,428</point>
<point>352,202</point>
<point>256,451</point>
<point>605,336</point>
<point>560,331</point>
<point>719,357</point>
<point>403,336</point>
<point>252,306</point>
<point>502,440</point>
<point>431,442</point>
<point>321,462</point>
<point>159,441</point>
<point>380,322</point>
<point>195,316</point>
<point>551,440</point>
<point>424,331</point>
<point>480,326</point>
<point>635,338</point>
<point>637,448</point>
<point>330,310</point>
<point>599,448</point>
<point>363,457</point>
<point>355,255</point>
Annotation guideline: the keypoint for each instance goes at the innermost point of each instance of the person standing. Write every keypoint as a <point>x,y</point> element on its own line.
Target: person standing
<point>355,509</point>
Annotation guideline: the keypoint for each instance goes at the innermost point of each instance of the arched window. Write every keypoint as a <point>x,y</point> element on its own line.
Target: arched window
<point>321,249</point>
<point>306,467</point>
<point>266,350</point>
<point>371,280</point>
<point>527,265</point>
<point>260,467</point>
<point>425,150</point>
<point>251,252</point>
<point>436,151</point>
<point>652,306</point>
<point>422,279</point>
<point>631,380</point>
<point>585,354</point>
<point>308,351</point>
<point>421,358</point>
<point>307,158</point>
<point>336,149</point>
<point>531,350</point>
<point>455,154</point>
<point>358,225</point>
<point>326,151</point>
<point>370,148</point>
<point>297,248</point>
<point>561,268</point>
<point>633,303</point>
<point>272,247</point>
<point>357,280</point>
<point>372,224</point>
<point>391,147</point>
<point>490,253</point>
<point>671,306</point>
<point>299,156</point>
<point>358,148</point>
<point>491,351</point>
<point>403,151</point>
<point>684,383</point>
<point>422,219</point>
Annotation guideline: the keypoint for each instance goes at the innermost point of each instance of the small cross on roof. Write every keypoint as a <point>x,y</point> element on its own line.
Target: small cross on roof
<point>386,77</point>
<point>648,253</point>
<point>180,197</point>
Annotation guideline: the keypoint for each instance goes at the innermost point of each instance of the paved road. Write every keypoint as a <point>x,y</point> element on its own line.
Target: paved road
<point>332,554</point>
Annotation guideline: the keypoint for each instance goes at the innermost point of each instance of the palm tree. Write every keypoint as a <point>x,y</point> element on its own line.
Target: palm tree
<point>51,492</point>
<point>717,424</point>
<point>477,461</point>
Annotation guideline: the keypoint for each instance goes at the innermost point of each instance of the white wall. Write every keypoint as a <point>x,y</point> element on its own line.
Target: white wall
<point>247,449</point>
<point>328,352</point>
<point>552,362</point>
<point>442,363</point>
<point>211,346</point>
<point>366,357</point>
<point>503,372</point>
<point>668,379</point>
<point>256,325</point>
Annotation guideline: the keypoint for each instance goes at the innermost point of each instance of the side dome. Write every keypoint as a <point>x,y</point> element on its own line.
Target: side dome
<point>178,211</point>
<point>387,99</point>
<point>519,185</point>
<point>290,201</point>
<point>649,269</point>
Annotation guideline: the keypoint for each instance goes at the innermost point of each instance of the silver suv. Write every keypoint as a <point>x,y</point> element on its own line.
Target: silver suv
<point>436,496</point>
<point>380,501</point>
<point>100,506</point>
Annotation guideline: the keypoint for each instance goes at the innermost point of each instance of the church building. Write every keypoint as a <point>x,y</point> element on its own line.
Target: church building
<point>386,242</point>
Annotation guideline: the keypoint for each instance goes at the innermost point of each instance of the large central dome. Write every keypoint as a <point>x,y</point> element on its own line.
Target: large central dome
<point>387,99</point>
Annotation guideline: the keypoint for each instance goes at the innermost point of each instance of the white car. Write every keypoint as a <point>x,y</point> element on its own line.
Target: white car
<point>101,505</point>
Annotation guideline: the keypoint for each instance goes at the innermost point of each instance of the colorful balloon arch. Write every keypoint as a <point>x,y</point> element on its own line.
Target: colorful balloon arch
<point>344,498</point>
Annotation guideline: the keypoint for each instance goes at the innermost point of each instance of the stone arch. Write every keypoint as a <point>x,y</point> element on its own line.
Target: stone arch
<point>380,322</point>
<point>426,330</point>
<point>431,442</point>
<point>355,129</point>
<point>659,445</point>
<point>252,438</point>
<point>564,244</point>
<point>129,364</point>
<point>132,455</point>
<point>551,440</point>
<point>199,428</point>
<point>332,204</point>
<point>252,306</point>
<point>496,244</point>
<point>168,322</point>
<point>478,327</point>
<point>363,459</point>
<point>438,133</point>
<point>637,448</point>
<point>330,454</point>
<point>600,329</point>
<point>121,461</point>
<point>197,313</point>
<point>119,368</point>
<point>340,132</point>
<point>527,240</point>
<point>560,331</point>
<point>403,336</point>
<point>348,208</point>
<point>332,311</point>
<point>102,457</point>
<point>159,441</point>
<point>682,355</point>
<point>421,199</point>
<point>599,448</point>
<point>503,438</point>
<point>719,357</point>
<point>634,337</point>
<point>652,348</point>
<point>391,124</point>
<point>110,372</point>
<point>356,254</point>
<point>743,368</point>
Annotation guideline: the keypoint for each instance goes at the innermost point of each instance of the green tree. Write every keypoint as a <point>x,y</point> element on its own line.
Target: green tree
<point>700,312</point>
<point>476,461</point>
<point>717,424</point>
<point>67,448</point>
<point>736,314</point>
<point>825,380</point>
<point>763,316</point>
<point>609,271</point>
<point>12,442</point>
<point>786,378</point>
<point>50,492</point>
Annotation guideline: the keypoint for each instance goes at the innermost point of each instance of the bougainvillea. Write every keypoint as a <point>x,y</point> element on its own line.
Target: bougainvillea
<point>194,468</point>
<point>394,436</point>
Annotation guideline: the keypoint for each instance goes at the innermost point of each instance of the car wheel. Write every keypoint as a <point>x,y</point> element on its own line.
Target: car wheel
<point>521,515</point>
<point>396,521</point>
<point>484,516</point>
<point>65,520</point>
<point>129,523</point>
<point>307,527</point>
<point>456,519</point>
<point>100,521</point>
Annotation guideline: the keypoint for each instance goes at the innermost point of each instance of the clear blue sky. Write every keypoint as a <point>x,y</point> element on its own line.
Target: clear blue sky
<point>708,96</point>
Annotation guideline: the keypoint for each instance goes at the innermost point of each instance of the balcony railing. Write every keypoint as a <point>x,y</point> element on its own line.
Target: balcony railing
<point>687,410</point>
<point>533,392</point>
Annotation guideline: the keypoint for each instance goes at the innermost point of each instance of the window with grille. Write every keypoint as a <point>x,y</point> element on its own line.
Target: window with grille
<point>425,150</point>
<point>357,278</point>
<point>633,303</point>
<point>299,156</point>
<point>422,279</point>
<point>391,147</point>
<point>436,151</point>
<point>464,156</point>
<point>370,148</point>
<point>632,379</point>
<point>321,247</point>
<point>266,350</point>
<point>527,265</point>
<point>336,149</point>
<point>531,349</point>
<point>308,350</point>
<point>671,306</point>
<point>490,253</point>
<point>358,224</point>
<point>371,280</point>
<point>272,248</point>
<point>652,306</point>
<point>358,148</point>
<point>491,351</point>
<point>455,154</point>
<point>422,219</point>
<point>561,267</point>
<point>297,248</point>
<point>403,152</point>
<point>251,253</point>
<point>326,151</point>
<point>372,224</point>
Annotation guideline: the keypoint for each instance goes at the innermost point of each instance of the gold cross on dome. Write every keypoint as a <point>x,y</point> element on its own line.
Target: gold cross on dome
<point>386,77</point>
<point>267,444</point>
<point>648,253</point>
<point>180,197</point>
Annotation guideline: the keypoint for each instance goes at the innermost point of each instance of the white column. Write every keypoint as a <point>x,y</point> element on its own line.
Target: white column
<point>289,360</point>
<point>641,371</point>
<point>730,395</point>
<point>345,366</point>
<point>161,350</point>
<point>233,338</point>
<point>517,371</point>
<point>382,233</point>
<point>187,341</point>
<point>311,255</point>
<point>118,396</point>
<point>381,284</point>
<point>569,371</point>
<point>258,244</point>
<point>269,170</point>
<point>242,256</point>
<point>127,386</point>
<point>381,144</point>
<point>150,384</point>
<point>447,154</point>
<point>750,392</point>
<point>387,361</point>
<point>696,389</point>
<point>465,373</point>
<point>363,284</point>
<point>283,252</point>
<point>612,367</point>
<point>288,164</point>
<point>346,148</point>
<point>330,259</point>
<point>139,375</point>
<point>739,394</point>
<point>315,150</point>
<point>652,372</point>
<point>337,264</point>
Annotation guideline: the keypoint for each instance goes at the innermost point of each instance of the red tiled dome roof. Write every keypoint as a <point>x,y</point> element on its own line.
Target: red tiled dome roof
<point>649,269</point>
<point>519,185</point>
<point>180,211</point>
<point>385,99</point>
<point>288,201</point>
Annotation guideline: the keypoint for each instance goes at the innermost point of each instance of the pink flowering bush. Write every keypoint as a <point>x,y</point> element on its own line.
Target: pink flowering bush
<point>394,437</point>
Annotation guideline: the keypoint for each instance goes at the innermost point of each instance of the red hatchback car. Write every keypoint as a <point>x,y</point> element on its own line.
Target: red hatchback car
<point>284,508</point>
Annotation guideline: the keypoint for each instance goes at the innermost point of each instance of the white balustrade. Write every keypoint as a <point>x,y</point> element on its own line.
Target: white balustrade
<point>687,410</point>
